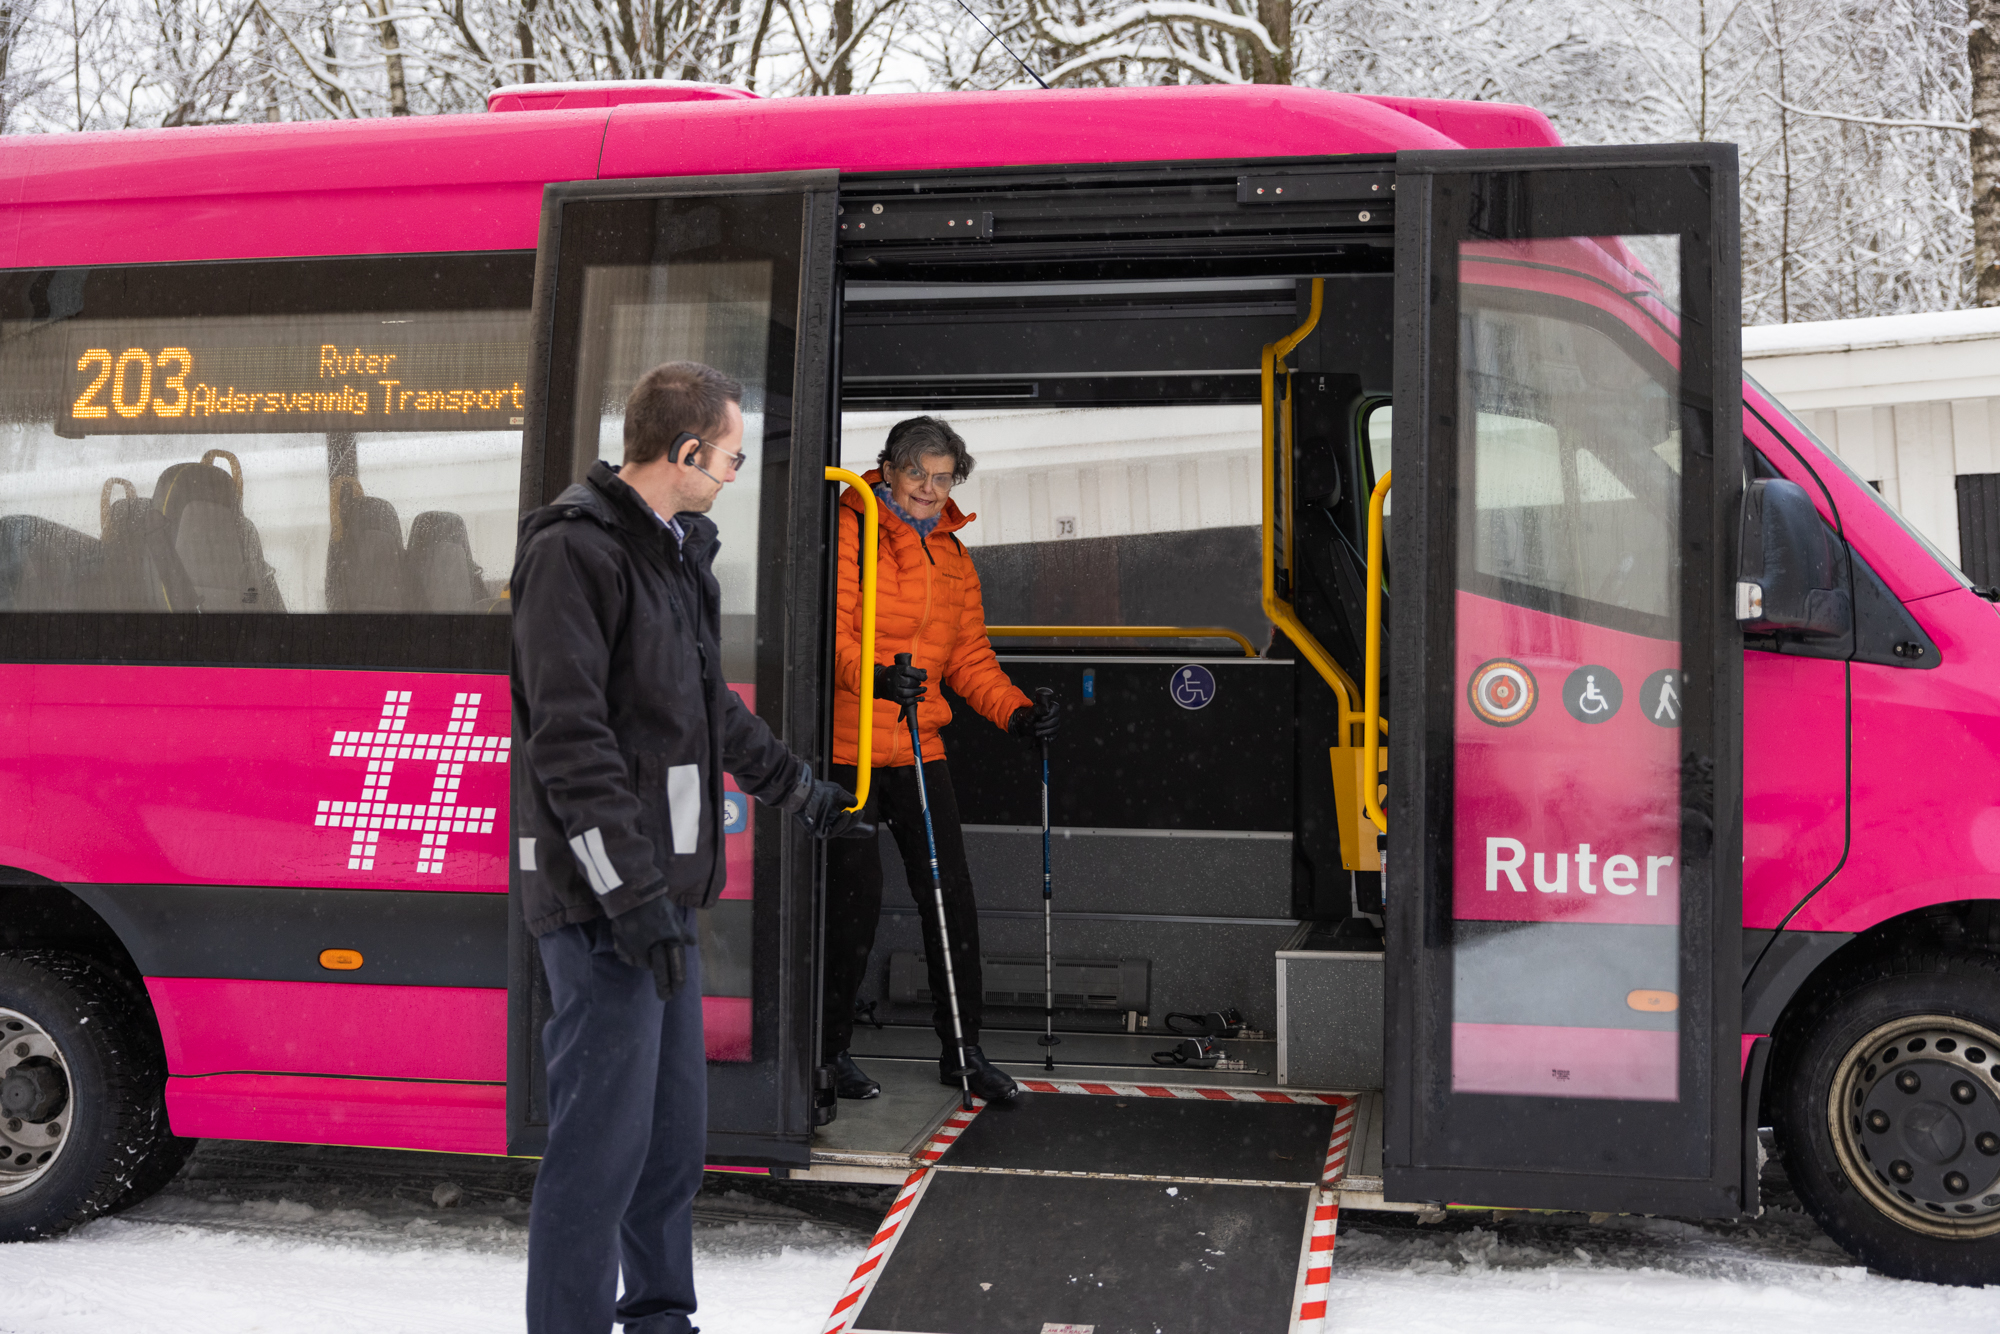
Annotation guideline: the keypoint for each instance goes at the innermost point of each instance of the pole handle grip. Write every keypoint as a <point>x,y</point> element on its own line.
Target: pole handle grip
<point>902,659</point>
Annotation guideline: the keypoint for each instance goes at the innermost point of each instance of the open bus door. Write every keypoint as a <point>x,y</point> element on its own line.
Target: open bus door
<point>737,272</point>
<point>1563,868</point>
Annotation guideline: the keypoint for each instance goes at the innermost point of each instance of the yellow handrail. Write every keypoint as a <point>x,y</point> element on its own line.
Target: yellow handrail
<point>1121,632</point>
<point>1279,611</point>
<point>870,524</point>
<point>1371,667</point>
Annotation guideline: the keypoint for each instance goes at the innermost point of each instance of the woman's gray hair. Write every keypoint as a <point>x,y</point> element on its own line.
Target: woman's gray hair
<point>915,437</point>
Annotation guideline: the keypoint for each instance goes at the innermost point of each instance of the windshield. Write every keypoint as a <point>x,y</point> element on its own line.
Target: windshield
<point>1860,485</point>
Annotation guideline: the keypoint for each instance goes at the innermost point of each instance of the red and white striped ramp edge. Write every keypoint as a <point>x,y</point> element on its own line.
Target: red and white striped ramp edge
<point>884,1240</point>
<point>1315,1250</point>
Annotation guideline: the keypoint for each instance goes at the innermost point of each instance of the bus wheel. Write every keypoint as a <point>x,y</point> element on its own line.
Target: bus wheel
<point>81,1092</point>
<point>1887,1110</point>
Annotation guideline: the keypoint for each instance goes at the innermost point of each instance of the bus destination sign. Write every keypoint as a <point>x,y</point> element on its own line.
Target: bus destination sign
<point>196,387</point>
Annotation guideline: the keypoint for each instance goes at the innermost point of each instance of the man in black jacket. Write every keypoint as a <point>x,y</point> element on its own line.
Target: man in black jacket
<point>625,728</point>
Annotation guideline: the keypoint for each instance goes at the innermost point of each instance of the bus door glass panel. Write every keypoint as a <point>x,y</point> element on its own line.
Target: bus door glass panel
<point>1566,903</point>
<point>713,305</point>
<point>638,274</point>
<point>1566,979</point>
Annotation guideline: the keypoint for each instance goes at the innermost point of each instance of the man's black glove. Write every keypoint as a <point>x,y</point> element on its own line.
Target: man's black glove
<point>1039,720</point>
<point>821,806</point>
<point>901,682</point>
<point>655,936</point>
<point>825,814</point>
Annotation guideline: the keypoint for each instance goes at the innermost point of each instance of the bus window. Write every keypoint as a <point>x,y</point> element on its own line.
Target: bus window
<point>279,436</point>
<point>1107,515</point>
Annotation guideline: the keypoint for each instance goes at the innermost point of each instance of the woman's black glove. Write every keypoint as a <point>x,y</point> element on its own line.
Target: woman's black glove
<point>1039,720</point>
<point>655,936</point>
<point>900,682</point>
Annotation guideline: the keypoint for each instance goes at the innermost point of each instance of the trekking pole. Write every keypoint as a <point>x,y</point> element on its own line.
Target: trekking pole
<point>937,893</point>
<point>1048,1040</point>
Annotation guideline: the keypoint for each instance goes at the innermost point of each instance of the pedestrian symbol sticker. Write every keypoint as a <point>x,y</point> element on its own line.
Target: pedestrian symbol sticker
<point>1192,686</point>
<point>1660,697</point>
<point>1502,692</point>
<point>1592,694</point>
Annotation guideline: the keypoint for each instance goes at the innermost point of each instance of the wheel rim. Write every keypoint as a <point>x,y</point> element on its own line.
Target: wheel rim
<point>35,1102</point>
<point>1915,1120</point>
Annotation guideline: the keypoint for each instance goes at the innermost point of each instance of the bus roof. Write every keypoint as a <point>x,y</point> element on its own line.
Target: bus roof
<point>474,182</point>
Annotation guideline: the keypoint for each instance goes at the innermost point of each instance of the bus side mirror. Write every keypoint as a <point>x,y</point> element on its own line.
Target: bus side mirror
<point>1788,573</point>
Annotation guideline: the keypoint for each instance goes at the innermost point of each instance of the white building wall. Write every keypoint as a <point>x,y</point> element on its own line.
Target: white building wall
<point>1046,474</point>
<point>1910,402</point>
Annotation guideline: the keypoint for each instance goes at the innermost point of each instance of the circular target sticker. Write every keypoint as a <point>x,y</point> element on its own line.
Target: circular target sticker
<point>1502,692</point>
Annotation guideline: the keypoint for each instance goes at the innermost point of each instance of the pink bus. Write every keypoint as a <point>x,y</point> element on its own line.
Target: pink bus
<point>1690,741</point>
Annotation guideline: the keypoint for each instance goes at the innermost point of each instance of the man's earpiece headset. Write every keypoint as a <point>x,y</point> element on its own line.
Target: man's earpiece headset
<point>695,445</point>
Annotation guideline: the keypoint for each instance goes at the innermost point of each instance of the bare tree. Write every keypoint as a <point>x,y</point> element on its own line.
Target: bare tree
<point>1982,48</point>
<point>1153,41</point>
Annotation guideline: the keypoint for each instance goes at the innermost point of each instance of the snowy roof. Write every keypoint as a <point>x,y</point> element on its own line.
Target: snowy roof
<point>1879,331</point>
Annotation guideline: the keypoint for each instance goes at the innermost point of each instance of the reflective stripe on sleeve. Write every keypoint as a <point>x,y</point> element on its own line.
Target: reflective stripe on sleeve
<point>589,849</point>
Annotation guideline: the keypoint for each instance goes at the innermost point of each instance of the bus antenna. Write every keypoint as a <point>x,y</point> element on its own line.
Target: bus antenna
<point>1003,45</point>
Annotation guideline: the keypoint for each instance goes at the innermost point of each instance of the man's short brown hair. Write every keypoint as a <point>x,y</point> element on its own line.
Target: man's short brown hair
<point>674,399</point>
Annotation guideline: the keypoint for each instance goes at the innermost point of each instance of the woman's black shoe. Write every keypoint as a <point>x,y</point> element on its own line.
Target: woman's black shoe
<point>987,1080</point>
<point>849,1082</point>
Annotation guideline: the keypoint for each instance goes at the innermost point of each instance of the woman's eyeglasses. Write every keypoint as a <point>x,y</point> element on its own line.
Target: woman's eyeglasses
<point>943,481</point>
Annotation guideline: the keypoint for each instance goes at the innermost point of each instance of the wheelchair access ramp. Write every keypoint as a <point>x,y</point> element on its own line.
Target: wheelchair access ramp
<point>1097,1208</point>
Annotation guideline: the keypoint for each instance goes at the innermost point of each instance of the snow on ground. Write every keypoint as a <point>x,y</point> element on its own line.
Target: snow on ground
<point>255,1238</point>
<point>312,1240</point>
<point>140,1277</point>
<point>1778,1275</point>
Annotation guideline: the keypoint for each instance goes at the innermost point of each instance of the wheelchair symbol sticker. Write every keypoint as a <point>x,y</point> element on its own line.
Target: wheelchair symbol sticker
<point>1192,686</point>
<point>1592,694</point>
<point>735,812</point>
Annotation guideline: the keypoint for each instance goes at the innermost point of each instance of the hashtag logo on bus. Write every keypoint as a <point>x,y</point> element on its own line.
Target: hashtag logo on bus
<point>434,821</point>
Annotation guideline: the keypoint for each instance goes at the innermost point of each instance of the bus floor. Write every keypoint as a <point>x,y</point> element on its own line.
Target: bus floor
<point>879,1140</point>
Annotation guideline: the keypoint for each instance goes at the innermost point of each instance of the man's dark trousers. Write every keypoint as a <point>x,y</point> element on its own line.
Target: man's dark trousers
<point>628,1126</point>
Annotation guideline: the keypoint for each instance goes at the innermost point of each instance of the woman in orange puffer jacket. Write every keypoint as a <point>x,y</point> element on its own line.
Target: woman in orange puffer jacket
<point>927,604</point>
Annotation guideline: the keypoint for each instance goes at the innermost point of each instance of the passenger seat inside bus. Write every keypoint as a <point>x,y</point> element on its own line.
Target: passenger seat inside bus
<point>45,566</point>
<point>364,554</point>
<point>442,574</point>
<point>219,548</point>
<point>140,570</point>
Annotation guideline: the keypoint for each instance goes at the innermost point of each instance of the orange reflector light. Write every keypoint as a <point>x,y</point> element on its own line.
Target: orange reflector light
<point>346,961</point>
<point>1654,1002</point>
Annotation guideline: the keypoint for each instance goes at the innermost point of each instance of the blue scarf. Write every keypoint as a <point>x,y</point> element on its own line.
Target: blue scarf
<point>922,526</point>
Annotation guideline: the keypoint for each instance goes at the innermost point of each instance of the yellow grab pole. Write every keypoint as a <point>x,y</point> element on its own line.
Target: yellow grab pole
<point>870,525</point>
<point>1277,609</point>
<point>1371,667</point>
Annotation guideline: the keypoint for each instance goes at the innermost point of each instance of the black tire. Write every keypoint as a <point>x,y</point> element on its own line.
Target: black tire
<point>1886,1107</point>
<point>110,1119</point>
<point>162,1153</point>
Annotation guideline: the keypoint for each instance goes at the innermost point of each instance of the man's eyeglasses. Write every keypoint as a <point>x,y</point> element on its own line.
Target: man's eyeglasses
<point>943,481</point>
<point>736,461</point>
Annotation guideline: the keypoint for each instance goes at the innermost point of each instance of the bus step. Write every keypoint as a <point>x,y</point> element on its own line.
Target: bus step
<point>1112,1208</point>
